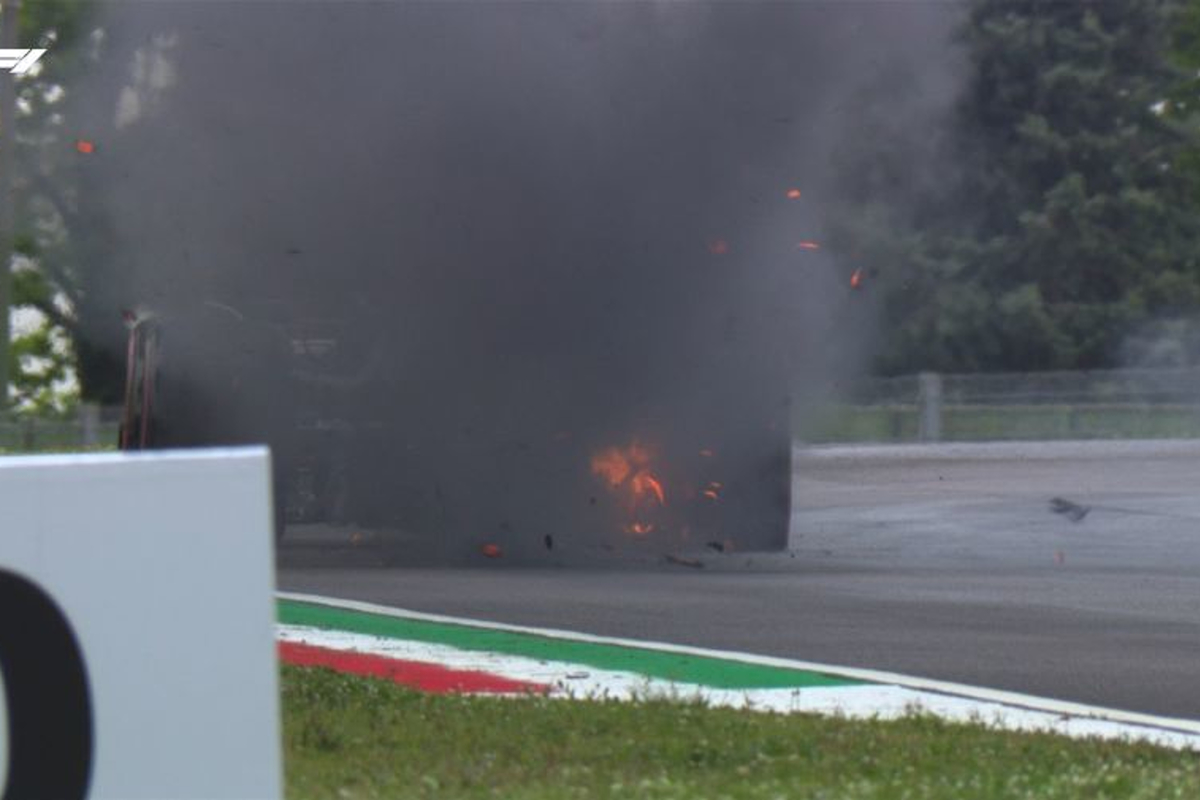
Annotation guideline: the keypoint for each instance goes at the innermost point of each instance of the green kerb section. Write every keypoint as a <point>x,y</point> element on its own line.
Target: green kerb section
<point>716,673</point>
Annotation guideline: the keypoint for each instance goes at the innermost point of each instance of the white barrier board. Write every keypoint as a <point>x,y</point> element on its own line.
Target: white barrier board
<point>161,565</point>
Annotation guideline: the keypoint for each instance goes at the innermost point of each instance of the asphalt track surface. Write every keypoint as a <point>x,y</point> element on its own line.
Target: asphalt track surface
<point>939,561</point>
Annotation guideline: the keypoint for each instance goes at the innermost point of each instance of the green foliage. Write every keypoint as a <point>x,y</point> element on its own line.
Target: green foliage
<point>42,360</point>
<point>1062,218</point>
<point>40,367</point>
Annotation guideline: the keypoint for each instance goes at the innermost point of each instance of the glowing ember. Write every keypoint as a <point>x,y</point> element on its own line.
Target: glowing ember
<point>640,528</point>
<point>491,550</point>
<point>856,279</point>
<point>718,247</point>
<point>713,490</point>
<point>807,244</point>
<point>84,146</point>
<point>793,194</point>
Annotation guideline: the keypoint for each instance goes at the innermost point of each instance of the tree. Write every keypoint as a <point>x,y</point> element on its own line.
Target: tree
<point>43,248</point>
<point>1062,220</point>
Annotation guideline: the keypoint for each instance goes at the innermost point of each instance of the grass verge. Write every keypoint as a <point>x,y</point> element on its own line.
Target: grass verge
<point>348,737</point>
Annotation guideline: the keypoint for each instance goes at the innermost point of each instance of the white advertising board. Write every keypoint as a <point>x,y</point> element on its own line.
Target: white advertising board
<point>137,650</point>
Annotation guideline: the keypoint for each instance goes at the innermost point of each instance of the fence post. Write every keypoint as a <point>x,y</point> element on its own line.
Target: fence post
<point>28,433</point>
<point>929,407</point>
<point>89,424</point>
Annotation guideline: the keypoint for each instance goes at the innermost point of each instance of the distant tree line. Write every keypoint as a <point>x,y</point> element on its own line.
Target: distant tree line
<point>1052,220</point>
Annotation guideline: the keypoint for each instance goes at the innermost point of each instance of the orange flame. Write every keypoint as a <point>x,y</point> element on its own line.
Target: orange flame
<point>626,470</point>
<point>645,482</point>
<point>612,465</point>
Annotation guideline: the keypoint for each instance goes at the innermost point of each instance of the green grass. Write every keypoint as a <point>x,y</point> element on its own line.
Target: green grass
<point>347,737</point>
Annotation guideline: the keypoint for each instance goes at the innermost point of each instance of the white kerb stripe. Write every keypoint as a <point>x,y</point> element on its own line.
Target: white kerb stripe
<point>1015,699</point>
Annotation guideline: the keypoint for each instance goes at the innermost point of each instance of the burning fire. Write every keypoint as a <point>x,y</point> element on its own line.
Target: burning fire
<point>644,483</point>
<point>627,472</point>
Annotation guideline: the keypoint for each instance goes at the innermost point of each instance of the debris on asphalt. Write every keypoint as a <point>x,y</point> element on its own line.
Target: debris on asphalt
<point>548,540</point>
<point>683,561</point>
<point>717,546</point>
<point>1072,511</point>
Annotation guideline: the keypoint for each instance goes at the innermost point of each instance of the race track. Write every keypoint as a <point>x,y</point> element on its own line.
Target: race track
<point>946,561</point>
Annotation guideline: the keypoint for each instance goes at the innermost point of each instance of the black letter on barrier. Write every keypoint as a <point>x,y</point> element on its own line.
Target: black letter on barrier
<point>46,693</point>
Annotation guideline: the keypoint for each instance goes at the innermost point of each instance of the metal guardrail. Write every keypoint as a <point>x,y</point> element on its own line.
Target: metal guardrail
<point>1119,403</point>
<point>92,427</point>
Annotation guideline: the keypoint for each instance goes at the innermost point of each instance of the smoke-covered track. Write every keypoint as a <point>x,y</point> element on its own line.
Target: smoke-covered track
<point>942,561</point>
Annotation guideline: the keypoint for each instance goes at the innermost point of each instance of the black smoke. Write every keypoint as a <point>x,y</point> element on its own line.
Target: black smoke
<point>533,229</point>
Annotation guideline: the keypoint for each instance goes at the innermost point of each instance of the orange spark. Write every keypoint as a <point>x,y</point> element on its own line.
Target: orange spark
<point>856,279</point>
<point>793,194</point>
<point>807,244</point>
<point>84,146</point>
<point>640,528</point>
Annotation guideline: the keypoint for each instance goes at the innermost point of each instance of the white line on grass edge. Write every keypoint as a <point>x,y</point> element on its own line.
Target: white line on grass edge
<point>1014,699</point>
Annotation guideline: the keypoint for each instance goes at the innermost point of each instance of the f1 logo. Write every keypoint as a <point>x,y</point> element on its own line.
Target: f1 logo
<point>18,62</point>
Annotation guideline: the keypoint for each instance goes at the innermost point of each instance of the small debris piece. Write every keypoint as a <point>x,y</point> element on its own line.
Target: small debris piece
<point>491,550</point>
<point>548,540</point>
<point>1059,558</point>
<point>684,562</point>
<point>577,676</point>
<point>717,546</point>
<point>1072,511</point>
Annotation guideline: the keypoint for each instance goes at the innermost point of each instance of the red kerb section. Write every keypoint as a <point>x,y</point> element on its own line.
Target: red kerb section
<point>417,674</point>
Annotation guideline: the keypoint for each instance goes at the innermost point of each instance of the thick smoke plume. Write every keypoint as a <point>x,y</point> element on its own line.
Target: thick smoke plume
<point>547,223</point>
